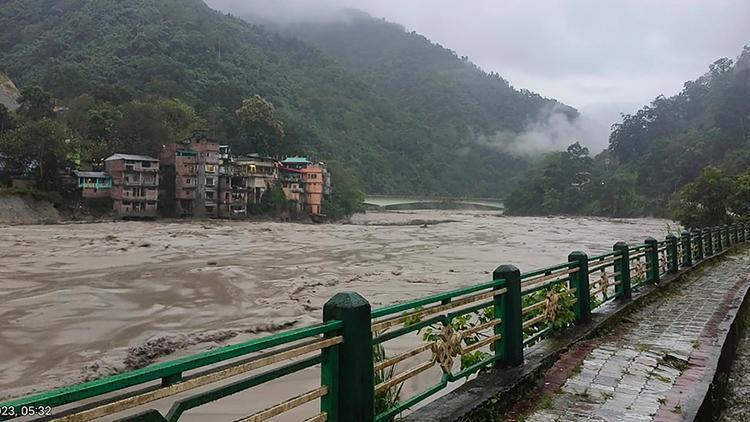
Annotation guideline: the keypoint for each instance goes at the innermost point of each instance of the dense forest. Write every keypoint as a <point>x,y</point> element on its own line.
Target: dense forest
<point>659,159</point>
<point>405,128</point>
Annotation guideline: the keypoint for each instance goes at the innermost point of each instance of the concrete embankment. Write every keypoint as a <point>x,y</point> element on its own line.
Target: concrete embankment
<point>24,209</point>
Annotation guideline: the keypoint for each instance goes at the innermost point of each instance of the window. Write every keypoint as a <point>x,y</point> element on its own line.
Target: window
<point>188,181</point>
<point>146,164</point>
<point>210,168</point>
<point>210,196</point>
<point>210,181</point>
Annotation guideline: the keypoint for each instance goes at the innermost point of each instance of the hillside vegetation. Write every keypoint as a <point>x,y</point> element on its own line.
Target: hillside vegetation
<point>407,128</point>
<point>655,153</point>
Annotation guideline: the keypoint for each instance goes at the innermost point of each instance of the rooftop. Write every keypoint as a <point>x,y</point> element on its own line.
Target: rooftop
<point>130,157</point>
<point>296,160</point>
<point>92,174</point>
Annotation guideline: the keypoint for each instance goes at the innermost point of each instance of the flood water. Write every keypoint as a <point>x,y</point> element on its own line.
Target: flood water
<point>80,301</point>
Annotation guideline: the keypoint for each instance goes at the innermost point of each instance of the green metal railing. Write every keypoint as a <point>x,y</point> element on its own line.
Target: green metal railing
<point>444,338</point>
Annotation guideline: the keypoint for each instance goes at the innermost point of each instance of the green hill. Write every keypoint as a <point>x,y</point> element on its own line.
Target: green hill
<point>653,153</point>
<point>436,84</point>
<point>400,131</point>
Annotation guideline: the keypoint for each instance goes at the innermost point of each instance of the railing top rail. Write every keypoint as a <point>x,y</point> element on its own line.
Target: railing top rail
<point>113,383</point>
<point>604,256</point>
<point>398,307</point>
<point>542,271</point>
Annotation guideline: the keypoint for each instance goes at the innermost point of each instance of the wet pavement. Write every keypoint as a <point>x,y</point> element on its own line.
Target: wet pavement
<point>647,368</point>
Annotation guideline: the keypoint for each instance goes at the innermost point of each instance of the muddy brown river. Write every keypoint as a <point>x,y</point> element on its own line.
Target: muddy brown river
<point>80,301</point>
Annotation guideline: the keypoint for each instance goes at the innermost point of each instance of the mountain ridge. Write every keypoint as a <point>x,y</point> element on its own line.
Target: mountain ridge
<point>182,48</point>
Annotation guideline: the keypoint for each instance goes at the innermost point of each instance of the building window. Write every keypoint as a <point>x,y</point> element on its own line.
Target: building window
<point>146,164</point>
<point>210,181</point>
<point>210,168</point>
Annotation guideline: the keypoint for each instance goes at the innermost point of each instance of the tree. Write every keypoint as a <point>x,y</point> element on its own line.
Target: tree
<point>141,129</point>
<point>262,130</point>
<point>347,197</point>
<point>707,200</point>
<point>39,147</point>
<point>145,127</point>
<point>35,103</point>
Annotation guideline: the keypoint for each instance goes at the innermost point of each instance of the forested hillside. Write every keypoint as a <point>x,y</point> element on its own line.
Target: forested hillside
<point>444,89</point>
<point>117,54</point>
<point>653,153</point>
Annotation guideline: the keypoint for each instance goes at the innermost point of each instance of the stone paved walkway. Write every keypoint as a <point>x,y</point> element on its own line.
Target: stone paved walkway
<point>639,372</point>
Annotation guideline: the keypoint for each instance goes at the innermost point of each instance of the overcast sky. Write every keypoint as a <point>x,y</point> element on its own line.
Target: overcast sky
<point>582,52</point>
<point>603,57</point>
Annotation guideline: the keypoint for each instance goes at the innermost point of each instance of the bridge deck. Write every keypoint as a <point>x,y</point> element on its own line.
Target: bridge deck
<point>649,368</point>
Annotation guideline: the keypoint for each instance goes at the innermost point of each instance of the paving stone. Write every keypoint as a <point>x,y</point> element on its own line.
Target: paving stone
<point>627,378</point>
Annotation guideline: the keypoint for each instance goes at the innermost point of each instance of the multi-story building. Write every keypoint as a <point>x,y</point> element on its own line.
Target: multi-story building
<point>93,184</point>
<point>243,181</point>
<point>135,185</point>
<point>314,181</point>
<point>190,177</point>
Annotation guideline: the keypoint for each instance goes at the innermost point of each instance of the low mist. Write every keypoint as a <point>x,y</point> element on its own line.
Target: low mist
<point>553,130</point>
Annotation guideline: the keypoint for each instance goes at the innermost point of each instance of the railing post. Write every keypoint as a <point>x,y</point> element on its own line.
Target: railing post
<point>512,318</point>
<point>622,266</point>
<point>652,259</point>
<point>735,236</point>
<point>672,254</point>
<point>719,243</point>
<point>709,242</point>
<point>353,398</point>
<point>687,249</point>
<point>727,238</point>
<point>579,280</point>
<point>698,236</point>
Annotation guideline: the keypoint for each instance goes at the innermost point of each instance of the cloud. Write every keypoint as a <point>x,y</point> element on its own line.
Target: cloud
<point>552,130</point>
<point>594,55</point>
<point>632,50</point>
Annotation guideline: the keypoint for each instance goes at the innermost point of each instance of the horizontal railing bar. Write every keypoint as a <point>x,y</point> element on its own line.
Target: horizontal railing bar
<point>89,389</point>
<point>473,368</point>
<point>403,376</point>
<point>207,396</point>
<point>551,276</point>
<point>537,335</point>
<point>606,255</point>
<point>401,357</point>
<point>382,338</point>
<point>390,322</point>
<point>541,286</point>
<point>138,400</point>
<point>411,401</point>
<point>565,266</point>
<point>286,406</point>
<point>392,309</point>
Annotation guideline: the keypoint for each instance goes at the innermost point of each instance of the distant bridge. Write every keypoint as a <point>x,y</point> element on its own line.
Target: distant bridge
<point>392,202</point>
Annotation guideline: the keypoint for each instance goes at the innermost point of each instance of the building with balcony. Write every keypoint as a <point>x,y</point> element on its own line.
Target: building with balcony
<point>190,177</point>
<point>135,185</point>
<point>243,181</point>
<point>305,182</point>
<point>93,184</point>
